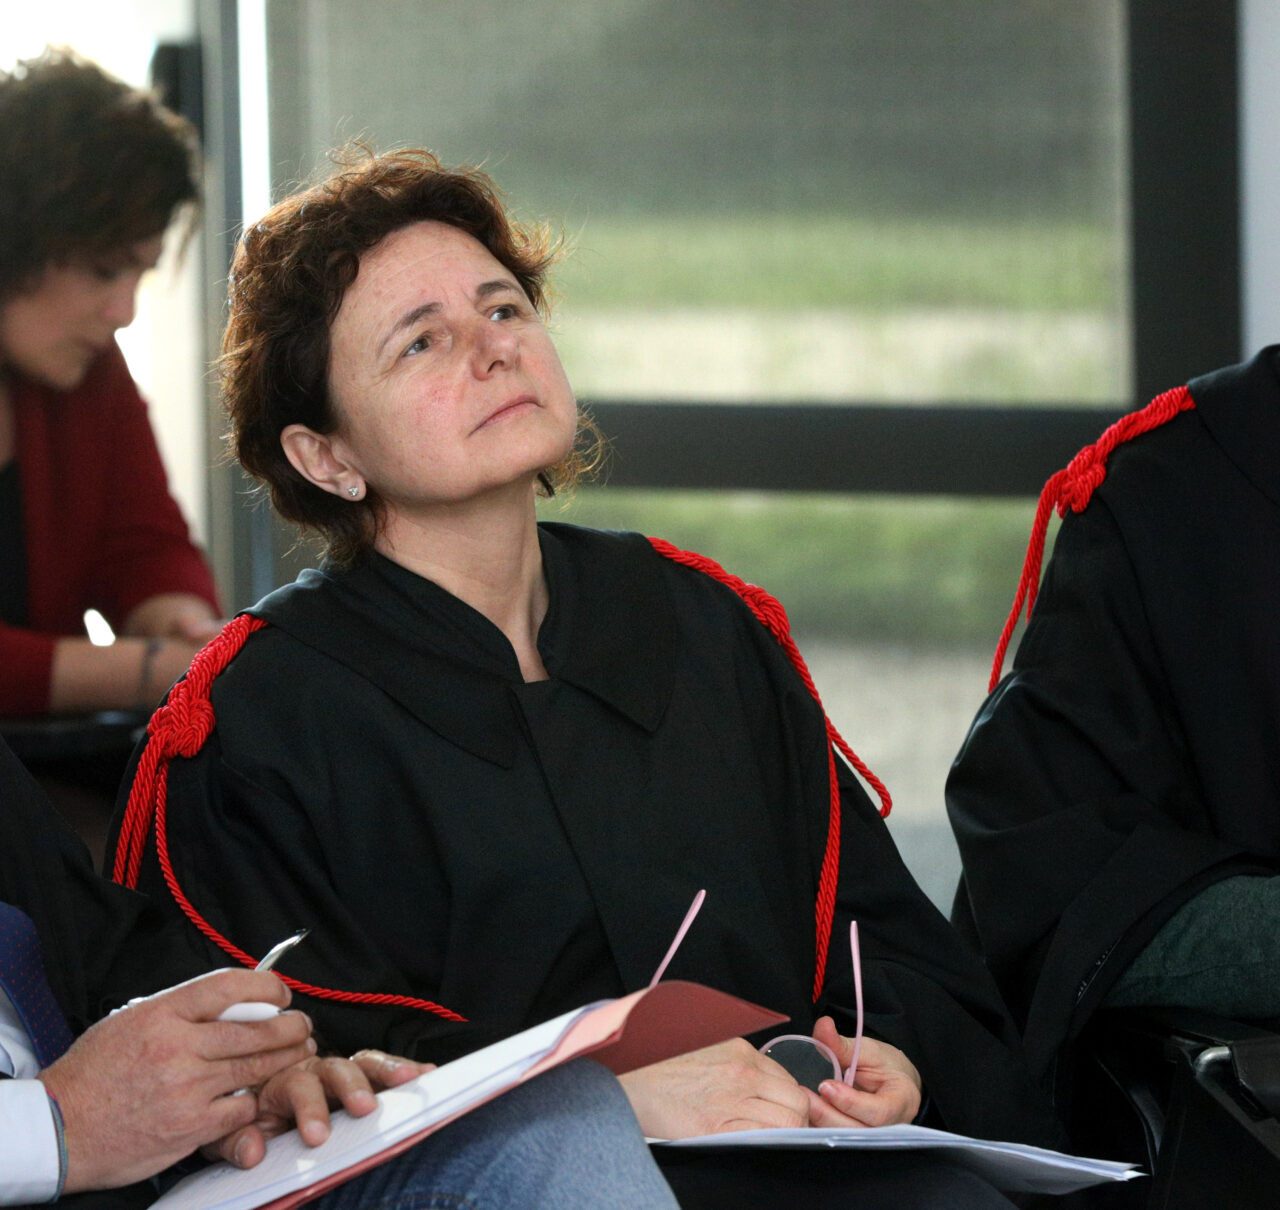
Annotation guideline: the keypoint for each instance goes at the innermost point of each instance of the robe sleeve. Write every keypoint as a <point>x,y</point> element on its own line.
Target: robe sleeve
<point>102,944</point>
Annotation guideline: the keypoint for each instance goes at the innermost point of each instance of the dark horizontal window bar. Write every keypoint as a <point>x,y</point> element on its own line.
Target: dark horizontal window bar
<point>912,450</point>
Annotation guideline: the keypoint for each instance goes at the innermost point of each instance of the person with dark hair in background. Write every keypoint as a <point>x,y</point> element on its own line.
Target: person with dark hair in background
<point>1117,799</point>
<point>491,761</point>
<point>92,174</point>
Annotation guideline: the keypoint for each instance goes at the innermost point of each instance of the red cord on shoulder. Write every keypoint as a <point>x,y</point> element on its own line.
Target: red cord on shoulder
<point>177,728</point>
<point>180,728</point>
<point>1073,487</point>
<point>773,617</point>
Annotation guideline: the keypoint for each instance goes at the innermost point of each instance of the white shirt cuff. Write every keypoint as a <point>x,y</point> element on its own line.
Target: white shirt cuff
<point>28,1144</point>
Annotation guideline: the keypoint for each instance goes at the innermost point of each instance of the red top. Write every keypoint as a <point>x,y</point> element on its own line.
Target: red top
<point>101,529</point>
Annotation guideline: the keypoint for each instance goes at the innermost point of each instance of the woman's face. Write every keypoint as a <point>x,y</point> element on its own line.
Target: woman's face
<point>446,382</point>
<point>54,332</point>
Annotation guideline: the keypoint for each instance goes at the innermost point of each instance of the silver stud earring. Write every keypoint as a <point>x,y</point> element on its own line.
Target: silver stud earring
<point>353,492</point>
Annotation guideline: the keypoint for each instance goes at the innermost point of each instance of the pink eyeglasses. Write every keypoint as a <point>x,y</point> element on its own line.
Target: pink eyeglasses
<point>811,1061</point>
<point>806,1059</point>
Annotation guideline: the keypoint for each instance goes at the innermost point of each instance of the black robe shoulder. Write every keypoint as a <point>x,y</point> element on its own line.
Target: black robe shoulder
<point>1132,756</point>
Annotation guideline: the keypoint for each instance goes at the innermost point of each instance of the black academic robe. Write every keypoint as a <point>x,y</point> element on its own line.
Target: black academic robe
<point>1132,756</point>
<point>380,772</point>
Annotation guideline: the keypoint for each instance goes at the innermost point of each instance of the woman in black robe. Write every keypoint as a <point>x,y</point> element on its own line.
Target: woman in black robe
<point>489,762</point>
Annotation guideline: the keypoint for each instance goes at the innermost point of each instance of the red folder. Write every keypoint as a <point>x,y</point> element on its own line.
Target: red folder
<point>645,1027</point>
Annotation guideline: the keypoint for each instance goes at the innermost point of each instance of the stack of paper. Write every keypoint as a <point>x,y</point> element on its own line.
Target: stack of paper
<point>1013,1167</point>
<point>646,1027</point>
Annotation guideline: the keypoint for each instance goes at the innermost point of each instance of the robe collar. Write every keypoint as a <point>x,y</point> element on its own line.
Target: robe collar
<point>609,631</point>
<point>1240,406</point>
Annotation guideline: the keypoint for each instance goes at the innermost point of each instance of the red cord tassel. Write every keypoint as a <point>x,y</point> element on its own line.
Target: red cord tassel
<point>1073,487</point>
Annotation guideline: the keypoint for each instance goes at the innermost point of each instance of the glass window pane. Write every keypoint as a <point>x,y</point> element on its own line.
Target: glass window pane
<point>894,200</point>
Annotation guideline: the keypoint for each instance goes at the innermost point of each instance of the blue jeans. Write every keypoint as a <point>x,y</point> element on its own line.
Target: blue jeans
<point>564,1141</point>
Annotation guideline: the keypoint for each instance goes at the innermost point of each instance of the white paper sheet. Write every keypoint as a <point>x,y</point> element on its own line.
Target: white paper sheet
<point>1014,1167</point>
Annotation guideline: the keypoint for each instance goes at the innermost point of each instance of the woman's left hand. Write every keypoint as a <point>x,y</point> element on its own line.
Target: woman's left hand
<point>303,1094</point>
<point>886,1087</point>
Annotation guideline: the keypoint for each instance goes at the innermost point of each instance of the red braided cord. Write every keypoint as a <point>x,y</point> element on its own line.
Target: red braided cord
<point>180,728</point>
<point>1073,488</point>
<point>773,617</point>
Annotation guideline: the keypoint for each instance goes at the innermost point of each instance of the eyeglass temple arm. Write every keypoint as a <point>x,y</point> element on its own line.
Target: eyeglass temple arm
<point>855,955</point>
<point>680,932</point>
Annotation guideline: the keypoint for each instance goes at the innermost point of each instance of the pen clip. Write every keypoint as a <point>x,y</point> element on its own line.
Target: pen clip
<point>277,951</point>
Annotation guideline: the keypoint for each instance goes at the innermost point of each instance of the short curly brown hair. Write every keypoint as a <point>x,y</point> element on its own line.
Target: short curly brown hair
<point>290,273</point>
<point>88,166</point>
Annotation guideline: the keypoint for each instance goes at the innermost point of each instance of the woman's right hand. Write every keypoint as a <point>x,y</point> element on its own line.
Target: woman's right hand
<point>729,1086</point>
